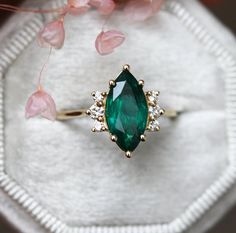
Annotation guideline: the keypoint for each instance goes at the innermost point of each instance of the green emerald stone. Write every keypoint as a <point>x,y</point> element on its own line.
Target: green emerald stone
<point>126,111</point>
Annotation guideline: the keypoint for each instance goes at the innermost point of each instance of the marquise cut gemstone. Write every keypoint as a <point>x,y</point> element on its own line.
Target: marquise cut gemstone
<point>126,111</point>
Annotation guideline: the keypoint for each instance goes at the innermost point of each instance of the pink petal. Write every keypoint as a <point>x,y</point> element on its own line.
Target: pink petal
<point>105,7</point>
<point>107,41</point>
<point>41,103</point>
<point>138,10</point>
<point>156,5</point>
<point>77,7</point>
<point>53,34</point>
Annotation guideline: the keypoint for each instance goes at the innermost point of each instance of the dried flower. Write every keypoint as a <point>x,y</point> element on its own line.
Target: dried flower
<point>77,7</point>
<point>138,10</point>
<point>41,103</point>
<point>53,34</point>
<point>105,7</point>
<point>107,41</point>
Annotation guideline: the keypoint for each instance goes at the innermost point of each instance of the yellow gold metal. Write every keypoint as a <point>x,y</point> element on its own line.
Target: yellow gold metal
<point>100,104</point>
<point>128,154</point>
<point>162,112</point>
<point>104,129</point>
<point>93,93</point>
<point>73,114</point>
<point>88,112</point>
<point>126,67</point>
<point>171,113</point>
<point>143,138</point>
<point>153,104</point>
<point>100,119</point>
<point>93,130</point>
<point>152,118</point>
<point>68,115</point>
<point>141,83</point>
<point>113,138</point>
<point>158,128</point>
<point>112,83</point>
<point>149,93</point>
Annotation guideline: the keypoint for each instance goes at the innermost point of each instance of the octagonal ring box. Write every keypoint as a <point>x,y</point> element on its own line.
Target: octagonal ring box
<point>59,177</point>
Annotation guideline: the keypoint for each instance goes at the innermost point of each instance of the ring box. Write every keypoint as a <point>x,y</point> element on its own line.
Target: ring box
<point>59,177</point>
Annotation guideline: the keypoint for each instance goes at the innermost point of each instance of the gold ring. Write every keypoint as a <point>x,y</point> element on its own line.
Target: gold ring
<point>126,111</point>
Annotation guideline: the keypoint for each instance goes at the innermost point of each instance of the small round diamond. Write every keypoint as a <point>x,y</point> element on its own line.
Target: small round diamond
<point>96,112</point>
<point>99,126</point>
<point>98,97</point>
<point>153,97</point>
<point>154,112</point>
<point>154,125</point>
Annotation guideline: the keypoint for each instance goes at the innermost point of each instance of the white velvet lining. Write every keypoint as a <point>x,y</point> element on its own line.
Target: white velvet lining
<point>116,191</point>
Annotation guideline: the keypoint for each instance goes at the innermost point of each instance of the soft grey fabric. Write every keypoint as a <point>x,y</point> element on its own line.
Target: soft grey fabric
<point>81,177</point>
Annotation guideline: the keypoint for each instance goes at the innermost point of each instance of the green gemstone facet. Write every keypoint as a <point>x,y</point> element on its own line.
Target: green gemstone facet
<point>126,111</point>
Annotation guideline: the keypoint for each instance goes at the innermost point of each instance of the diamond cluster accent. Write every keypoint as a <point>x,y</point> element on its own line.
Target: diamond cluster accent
<point>154,111</point>
<point>97,111</point>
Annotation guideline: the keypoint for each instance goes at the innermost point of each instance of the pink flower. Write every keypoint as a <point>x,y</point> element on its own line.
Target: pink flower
<point>107,41</point>
<point>105,7</point>
<point>77,7</point>
<point>41,103</point>
<point>139,10</point>
<point>53,34</point>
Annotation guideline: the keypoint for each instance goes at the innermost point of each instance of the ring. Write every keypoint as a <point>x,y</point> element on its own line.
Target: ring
<point>126,111</point>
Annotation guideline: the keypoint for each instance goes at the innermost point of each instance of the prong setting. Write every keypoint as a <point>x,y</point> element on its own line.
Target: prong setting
<point>93,94</point>
<point>93,130</point>
<point>100,104</point>
<point>100,119</point>
<point>88,112</point>
<point>113,138</point>
<point>153,103</point>
<point>162,112</point>
<point>126,67</point>
<point>141,83</point>
<point>158,128</point>
<point>152,117</point>
<point>104,129</point>
<point>112,83</point>
<point>128,154</point>
<point>143,138</point>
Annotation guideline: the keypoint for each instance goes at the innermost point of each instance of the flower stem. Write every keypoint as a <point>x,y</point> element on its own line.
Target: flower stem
<point>106,21</point>
<point>43,68</point>
<point>10,8</point>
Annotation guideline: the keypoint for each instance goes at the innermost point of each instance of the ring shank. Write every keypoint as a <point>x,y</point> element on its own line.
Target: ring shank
<point>73,114</point>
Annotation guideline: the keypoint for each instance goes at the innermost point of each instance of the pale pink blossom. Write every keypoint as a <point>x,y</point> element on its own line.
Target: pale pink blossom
<point>77,7</point>
<point>107,41</point>
<point>104,7</point>
<point>42,104</point>
<point>138,10</point>
<point>52,35</point>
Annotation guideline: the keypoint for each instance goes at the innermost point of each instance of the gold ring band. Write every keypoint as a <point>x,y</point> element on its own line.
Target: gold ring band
<point>81,113</point>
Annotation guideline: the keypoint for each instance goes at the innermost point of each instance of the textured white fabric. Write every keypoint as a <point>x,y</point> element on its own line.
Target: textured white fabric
<point>82,178</point>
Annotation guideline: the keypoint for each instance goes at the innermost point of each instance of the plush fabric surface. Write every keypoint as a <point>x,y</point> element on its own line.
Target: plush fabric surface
<point>81,177</point>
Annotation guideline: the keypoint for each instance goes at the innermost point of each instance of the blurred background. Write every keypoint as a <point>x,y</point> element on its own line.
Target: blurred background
<point>225,10</point>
